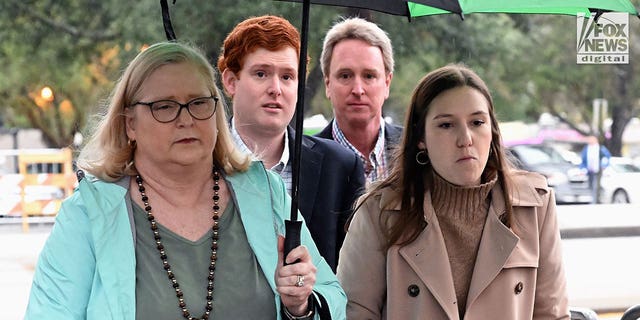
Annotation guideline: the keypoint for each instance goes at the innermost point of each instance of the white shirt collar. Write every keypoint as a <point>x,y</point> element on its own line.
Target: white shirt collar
<point>284,158</point>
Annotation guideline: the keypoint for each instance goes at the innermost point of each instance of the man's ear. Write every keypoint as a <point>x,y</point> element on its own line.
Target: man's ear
<point>326,87</point>
<point>229,80</point>
<point>387,81</point>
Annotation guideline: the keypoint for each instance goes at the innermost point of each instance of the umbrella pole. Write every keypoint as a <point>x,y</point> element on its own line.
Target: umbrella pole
<point>166,20</point>
<point>293,225</point>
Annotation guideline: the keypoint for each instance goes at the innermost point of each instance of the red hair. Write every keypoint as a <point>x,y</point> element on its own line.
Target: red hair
<point>270,32</point>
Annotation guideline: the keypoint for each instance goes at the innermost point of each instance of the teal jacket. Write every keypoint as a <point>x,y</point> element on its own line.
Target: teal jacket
<point>87,268</point>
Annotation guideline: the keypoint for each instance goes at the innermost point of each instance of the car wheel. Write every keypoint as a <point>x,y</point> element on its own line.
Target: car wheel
<point>620,196</point>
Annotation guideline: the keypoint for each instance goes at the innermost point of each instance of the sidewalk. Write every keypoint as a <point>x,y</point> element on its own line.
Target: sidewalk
<point>18,255</point>
<point>600,244</point>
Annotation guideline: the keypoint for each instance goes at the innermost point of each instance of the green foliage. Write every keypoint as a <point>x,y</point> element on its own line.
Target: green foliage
<point>47,43</point>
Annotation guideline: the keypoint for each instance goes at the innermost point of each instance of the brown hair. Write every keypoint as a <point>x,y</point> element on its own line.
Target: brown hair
<point>269,32</point>
<point>411,181</point>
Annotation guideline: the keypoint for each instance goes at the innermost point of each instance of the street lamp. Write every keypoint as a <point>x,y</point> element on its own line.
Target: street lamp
<point>45,100</point>
<point>62,110</point>
<point>47,94</point>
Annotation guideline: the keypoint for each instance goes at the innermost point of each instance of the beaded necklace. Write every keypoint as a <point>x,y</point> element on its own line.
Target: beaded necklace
<point>163,255</point>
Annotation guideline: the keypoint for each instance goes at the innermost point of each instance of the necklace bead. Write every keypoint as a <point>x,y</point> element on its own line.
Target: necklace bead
<point>163,255</point>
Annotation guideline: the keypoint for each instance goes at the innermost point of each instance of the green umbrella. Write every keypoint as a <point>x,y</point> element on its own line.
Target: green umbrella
<point>419,8</point>
<point>568,7</point>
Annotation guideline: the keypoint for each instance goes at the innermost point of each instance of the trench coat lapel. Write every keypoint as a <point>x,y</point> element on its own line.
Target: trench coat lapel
<point>498,242</point>
<point>428,258</point>
<point>496,245</point>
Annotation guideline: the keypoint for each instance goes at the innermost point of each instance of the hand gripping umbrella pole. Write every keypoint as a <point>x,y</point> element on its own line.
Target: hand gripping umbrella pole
<point>293,225</point>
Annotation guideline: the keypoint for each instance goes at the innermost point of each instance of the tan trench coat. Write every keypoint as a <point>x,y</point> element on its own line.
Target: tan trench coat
<point>518,274</point>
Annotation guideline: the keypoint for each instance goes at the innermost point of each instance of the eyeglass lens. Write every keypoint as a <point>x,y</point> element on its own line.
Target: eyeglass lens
<point>167,110</point>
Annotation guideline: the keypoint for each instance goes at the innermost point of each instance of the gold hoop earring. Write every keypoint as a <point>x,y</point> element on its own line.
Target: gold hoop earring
<point>422,157</point>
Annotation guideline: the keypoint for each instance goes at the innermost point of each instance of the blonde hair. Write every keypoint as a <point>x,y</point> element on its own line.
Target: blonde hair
<point>358,29</point>
<point>108,153</point>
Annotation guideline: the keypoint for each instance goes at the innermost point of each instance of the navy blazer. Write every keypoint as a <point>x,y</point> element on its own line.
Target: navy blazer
<point>392,136</point>
<point>331,179</point>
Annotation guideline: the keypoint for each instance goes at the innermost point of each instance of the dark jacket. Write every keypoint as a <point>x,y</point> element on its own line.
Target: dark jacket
<point>392,136</point>
<point>331,179</point>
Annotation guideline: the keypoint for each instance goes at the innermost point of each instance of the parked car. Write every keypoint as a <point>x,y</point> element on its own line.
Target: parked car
<point>570,184</point>
<point>620,182</point>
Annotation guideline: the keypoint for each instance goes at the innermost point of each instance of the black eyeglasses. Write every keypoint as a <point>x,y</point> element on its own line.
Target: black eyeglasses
<point>165,111</point>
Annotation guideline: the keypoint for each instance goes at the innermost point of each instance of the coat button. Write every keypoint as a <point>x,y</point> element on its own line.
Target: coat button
<point>414,291</point>
<point>518,288</point>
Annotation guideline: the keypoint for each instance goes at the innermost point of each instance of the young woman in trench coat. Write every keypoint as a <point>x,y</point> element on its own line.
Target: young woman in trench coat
<point>455,232</point>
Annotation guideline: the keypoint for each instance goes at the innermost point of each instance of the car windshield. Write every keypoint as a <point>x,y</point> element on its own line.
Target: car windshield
<point>625,167</point>
<point>538,154</point>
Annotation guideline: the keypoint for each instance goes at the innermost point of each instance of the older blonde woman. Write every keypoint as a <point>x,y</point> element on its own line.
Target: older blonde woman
<point>173,222</point>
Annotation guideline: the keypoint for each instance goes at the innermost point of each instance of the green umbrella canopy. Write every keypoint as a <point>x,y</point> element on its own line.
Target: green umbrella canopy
<point>569,7</point>
<point>418,8</point>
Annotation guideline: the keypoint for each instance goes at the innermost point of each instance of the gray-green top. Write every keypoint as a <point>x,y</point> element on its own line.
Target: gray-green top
<point>240,289</point>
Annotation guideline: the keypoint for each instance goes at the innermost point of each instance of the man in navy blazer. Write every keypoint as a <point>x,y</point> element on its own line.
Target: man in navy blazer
<point>357,64</point>
<point>259,67</point>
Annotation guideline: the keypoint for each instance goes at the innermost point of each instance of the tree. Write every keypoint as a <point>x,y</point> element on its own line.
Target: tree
<point>79,47</point>
<point>48,44</point>
<point>567,89</point>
